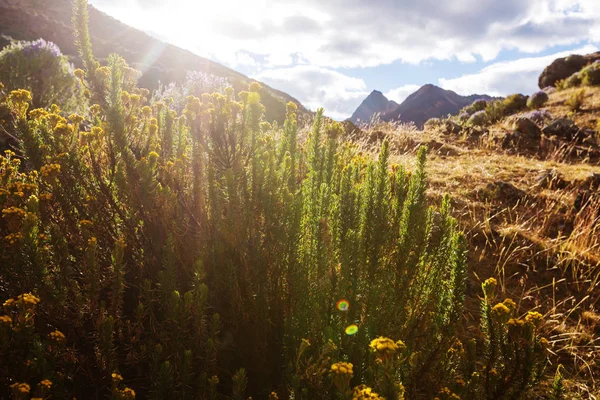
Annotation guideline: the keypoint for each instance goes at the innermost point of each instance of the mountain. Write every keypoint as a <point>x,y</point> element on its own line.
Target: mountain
<point>429,101</point>
<point>375,103</point>
<point>159,61</point>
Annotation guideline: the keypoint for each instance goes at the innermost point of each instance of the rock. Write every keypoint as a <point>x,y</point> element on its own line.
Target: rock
<point>526,128</point>
<point>550,179</point>
<point>549,89</point>
<point>563,128</point>
<point>562,68</point>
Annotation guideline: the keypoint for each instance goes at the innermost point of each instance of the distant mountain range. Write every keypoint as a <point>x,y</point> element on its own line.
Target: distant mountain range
<point>159,61</point>
<point>429,101</point>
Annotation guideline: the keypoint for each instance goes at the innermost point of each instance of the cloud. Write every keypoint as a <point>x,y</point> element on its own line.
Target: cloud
<point>318,87</point>
<point>504,78</point>
<point>358,33</point>
<point>401,93</point>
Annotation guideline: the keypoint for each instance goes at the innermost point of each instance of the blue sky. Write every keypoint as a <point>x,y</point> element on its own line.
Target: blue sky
<point>333,53</point>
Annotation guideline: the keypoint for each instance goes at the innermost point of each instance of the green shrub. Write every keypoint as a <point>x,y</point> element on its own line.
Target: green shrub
<point>572,81</point>
<point>212,255</point>
<point>40,68</point>
<point>477,105</point>
<point>576,100</point>
<point>514,103</point>
<point>433,123</point>
<point>590,75</point>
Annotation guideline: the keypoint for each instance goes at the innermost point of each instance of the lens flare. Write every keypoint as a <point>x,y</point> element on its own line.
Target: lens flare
<point>342,305</point>
<point>351,330</point>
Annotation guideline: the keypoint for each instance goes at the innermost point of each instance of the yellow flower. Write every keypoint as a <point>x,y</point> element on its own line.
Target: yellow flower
<point>28,299</point>
<point>38,113</point>
<point>5,319</point>
<point>534,318</point>
<point>363,392</point>
<point>510,304</point>
<point>489,286</point>
<point>86,223</point>
<point>214,380</point>
<point>9,303</point>
<point>146,111</point>
<point>273,396</point>
<point>342,368</point>
<point>501,311</point>
<point>95,109</point>
<point>128,393</point>
<point>79,73</point>
<point>46,384</point>
<point>58,336</point>
<point>21,388</point>
<point>386,347</point>
<point>255,87</point>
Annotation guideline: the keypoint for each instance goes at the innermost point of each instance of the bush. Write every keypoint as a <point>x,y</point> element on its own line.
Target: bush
<point>433,123</point>
<point>537,100</point>
<point>479,118</point>
<point>572,81</point>
<point>40,68</point>
<point>477,105</point>
<point>539,116</point>
<point>514,103</point>
<point>163,255</point>
<point>590,75</point>
<point>576,100</point>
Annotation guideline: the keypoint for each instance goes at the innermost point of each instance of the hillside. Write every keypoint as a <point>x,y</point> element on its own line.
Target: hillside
<point>429,101</point>
<point>530,204</point>
<point>159,61</point>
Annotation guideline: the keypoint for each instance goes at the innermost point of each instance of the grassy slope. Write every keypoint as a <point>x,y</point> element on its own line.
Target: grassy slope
<point>542,250</point>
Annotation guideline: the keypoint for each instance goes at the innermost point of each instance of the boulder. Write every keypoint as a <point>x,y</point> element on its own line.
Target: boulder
<point>562,128</point>
<point>562,68</point>
<point>527,128</point>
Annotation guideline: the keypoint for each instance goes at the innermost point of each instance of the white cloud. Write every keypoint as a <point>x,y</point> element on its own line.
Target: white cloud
<point>504,78</point>
<point>318,87</point>
<point>401,93</point>
<point>358,33</point>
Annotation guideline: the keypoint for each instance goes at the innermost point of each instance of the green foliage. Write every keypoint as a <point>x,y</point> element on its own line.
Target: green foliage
<point>209,254</point>
<point>433,123</point>
<point>40,68</point>
<point>514,103</point>
<point>590,75</point>
<point>576,100</point>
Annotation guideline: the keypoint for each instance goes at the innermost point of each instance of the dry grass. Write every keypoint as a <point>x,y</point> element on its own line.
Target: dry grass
<point>544,251</point>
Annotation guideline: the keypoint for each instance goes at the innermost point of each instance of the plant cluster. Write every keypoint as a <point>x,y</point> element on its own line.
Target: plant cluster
<point>209,254</point>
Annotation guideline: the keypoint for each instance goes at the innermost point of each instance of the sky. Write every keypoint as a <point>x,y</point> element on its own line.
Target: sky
<point>333,53</point>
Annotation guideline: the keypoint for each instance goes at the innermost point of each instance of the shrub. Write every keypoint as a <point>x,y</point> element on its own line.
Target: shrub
<point>537,100</point>
<point>40,68</point>
<point>514,103</point>
<point>576,100</point>
<point>163,255</point>
<point>572,81</point>
<point>477,105</point>
<point>433,123</point>
<point>539,116</point>
<point>479,118</point>
<point>590,75</point>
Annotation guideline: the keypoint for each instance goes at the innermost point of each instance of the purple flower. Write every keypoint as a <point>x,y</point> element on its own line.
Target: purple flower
<point>39,46</point>
<point>538,116</point>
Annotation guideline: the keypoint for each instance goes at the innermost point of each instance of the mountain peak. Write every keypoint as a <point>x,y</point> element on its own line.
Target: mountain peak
<point>374,103</point>
<point>429,101</point>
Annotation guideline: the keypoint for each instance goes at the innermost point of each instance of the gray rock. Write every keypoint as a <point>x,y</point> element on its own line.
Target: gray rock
<point>526,128</point>
<point>562,128</point>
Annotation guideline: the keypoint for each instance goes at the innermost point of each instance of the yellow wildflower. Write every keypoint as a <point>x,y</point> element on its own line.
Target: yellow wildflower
<point>501,311</point>
<point>79,73</point>
<point>363,392</point>
<point>534,318</point>
<point>5,320</point>
<point>128,393</point>
<point>342,368</point>
<point>58,336</point>
<point>46,384</point>
<point>21,388</point>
